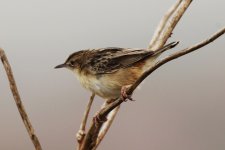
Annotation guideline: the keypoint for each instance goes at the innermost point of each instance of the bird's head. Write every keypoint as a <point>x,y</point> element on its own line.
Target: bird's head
<point>73,62</point>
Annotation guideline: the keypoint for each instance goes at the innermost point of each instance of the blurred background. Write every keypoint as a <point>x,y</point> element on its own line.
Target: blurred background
<point>180,106</point>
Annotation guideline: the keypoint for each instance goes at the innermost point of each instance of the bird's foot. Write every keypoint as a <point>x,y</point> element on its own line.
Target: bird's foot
<point>124,94</point>
<point>80,135</point>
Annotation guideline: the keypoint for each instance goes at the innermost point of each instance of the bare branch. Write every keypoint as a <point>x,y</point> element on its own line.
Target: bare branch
<point>18,101</point>
<point>171,25</point>
<point>81,133</point>
<point>163,23</point>
<point>90,139</point>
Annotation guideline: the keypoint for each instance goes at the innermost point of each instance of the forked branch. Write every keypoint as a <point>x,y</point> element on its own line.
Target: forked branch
<point>160,39</point>
<point>162,24</point>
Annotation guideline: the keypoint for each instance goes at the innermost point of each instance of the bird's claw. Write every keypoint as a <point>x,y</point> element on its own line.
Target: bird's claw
<point>124,94</point>
<point>80,135</point>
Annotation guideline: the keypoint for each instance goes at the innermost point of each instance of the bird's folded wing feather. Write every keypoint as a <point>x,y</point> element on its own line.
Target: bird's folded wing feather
<point>109,60</point>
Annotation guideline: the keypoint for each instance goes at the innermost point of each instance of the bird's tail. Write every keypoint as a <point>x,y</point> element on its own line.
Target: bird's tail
<point>166,47</point>
<point>152,60</point>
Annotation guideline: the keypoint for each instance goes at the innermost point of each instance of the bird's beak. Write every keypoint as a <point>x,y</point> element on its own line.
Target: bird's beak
<point>60,66</point>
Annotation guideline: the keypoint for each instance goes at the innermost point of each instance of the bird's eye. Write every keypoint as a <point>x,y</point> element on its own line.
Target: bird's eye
<point>72,63</point>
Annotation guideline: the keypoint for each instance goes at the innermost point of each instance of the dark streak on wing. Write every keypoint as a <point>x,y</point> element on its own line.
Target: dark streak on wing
<point>109,60</point>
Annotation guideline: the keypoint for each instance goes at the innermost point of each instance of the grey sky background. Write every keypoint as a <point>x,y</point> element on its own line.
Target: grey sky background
<point>180,107</point>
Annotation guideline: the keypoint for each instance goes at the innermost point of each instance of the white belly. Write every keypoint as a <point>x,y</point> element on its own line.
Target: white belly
<point>99,86</point>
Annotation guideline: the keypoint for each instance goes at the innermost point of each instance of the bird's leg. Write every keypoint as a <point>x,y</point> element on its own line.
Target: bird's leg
<point>80,135</point>
<point>124,94</point>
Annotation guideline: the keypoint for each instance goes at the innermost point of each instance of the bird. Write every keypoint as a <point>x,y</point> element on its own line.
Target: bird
<point>109,72</point>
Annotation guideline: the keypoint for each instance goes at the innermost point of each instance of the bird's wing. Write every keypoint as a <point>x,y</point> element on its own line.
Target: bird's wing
<point>109,60</point>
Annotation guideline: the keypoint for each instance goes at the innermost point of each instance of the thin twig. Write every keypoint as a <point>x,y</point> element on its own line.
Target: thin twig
<point>81,133</point>
<point>164,36</point>
<point>163,23</point>
<point>18,101</point>
<point>90,139</point>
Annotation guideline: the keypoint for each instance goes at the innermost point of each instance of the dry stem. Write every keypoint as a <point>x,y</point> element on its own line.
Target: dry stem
<point>164,36</point>
<point>163,23</point>
<point>81,133</point>
<point>18,101</point>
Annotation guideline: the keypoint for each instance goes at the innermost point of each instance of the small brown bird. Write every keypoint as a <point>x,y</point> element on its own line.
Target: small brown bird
<point>108,72</point>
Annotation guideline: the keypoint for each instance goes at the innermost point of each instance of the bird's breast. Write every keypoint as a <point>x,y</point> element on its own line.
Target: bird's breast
<point>100,85</point>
